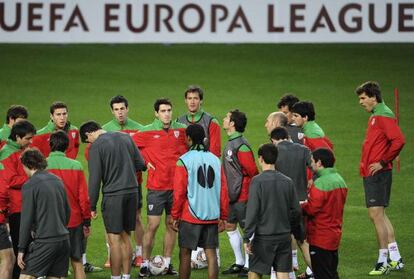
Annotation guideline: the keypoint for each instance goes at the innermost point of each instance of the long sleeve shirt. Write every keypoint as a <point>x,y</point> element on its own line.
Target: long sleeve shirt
<point>161,148</point>
<point>273,206</point>
<point>13,174</point>
<point>113,161</point>
<point>325,208</point>
<point>383,141</point>
<point>314,137</point>
<point>4,196</point>
<point>71,173</point>
<point>4,134</point>
<point>45,210</point>
<point>41,140</point>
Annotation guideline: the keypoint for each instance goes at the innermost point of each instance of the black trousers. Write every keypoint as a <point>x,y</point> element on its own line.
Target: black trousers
<point>14,223</point>
<point>324,263</point>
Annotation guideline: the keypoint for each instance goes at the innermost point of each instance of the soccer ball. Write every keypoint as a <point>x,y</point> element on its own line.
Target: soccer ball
<point>200,261</point>
<point>157,265</point>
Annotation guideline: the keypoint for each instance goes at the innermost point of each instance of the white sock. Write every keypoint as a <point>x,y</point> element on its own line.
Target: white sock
<point>272,274</point>
<point>218,256</point>
<point>126,276</point>
<point>295,258</point>
<point>382,255</point>
<point>84,258</point>
<point>145,263</point>
<point>246,260</point>
<point>394,252</point>
<point>116,277</point>
<point>138,250</point>
<point>308,270</point>
<point>167,261</point>
<point>109,250</point>
<point>194,254</point>
<point>236,243</point>
<point>292,275</point>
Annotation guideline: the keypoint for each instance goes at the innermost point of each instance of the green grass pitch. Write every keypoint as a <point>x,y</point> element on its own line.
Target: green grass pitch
<point>249,77</point>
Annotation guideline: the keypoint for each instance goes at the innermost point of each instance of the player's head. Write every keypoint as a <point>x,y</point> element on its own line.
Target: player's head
<point>235,120</point>
<point>22,133</point>
<point>322,158</point>
<point>15,113</point>
<point>119,108</point>
<point>195,136</point>
<point>163,110</point>
<point>267,154</point>
<point>369,94</point>
<point>285,105</point>
<point>275,119</point>
<point>59,141</point>
<point>193,98</point>
<point>59,115</point>
<point>87,131</point>
<point>279,134</point>
<point>303,112</point>
<point>33,160</point>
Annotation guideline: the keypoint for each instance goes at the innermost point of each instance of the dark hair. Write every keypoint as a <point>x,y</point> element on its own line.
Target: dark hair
<point>57,105</point>
<point>287,100</point>
<point>16,111</point>
<point>240,120</point>
<point>197,136</point>
<point>118,99</point>
<point>88,127</point>
<point>59,141</point>
<point>194,89</point>
<point>268,151</point>
<point>33,159</point>
<point>279,133</point>
<point>161,101</point>
<point>326,157</point>
<point>371,89</point>
<point>304,108</point>
<point>21,129</point>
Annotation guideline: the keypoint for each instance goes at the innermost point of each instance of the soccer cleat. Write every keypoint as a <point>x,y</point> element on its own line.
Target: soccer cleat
<point>233,269</point>
<point>91,268</point>
<point>137,261</point>
<point>305,276</point>
<point>244,272</point>
<point>396,265</point>
<point>171,270</point>
<point>380,269</point>
<point>144,272</point>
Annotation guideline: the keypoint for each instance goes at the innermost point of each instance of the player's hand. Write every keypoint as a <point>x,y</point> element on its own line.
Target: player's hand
<point>174,225</point>
<point>86,231</point>
<point>248,248</point>
<point>20,261</point>
<point>94,215</point>
<point>374,168</point>
<point>222,226</point>
<point>150,166</point>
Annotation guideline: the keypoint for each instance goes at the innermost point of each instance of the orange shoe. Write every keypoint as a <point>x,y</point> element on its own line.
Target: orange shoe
<point>107,264</point>
<point>137,261</point>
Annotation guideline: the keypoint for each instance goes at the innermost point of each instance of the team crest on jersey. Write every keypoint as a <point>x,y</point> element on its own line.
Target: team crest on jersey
<point>300,136</point>
<point>156,136</point>
<point>372,121</point>
<point>150,207</point>
<point>177,134</point>
<point>229,153</point>
<point>73,135</point>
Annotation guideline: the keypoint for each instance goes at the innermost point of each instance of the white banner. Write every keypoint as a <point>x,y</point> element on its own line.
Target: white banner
<point>206,21</point>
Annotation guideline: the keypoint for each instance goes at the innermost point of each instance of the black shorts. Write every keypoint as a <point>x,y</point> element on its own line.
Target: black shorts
<point>49,259</point>
<point>237,213</point>
<point>119,212</point>
<point>140,196</point>
<point>273,252</point>
<point>5,239</point>
<point>76,242</point>
<point>191,236</point>
<point>378,189</point>
<point>157,201</point>
<point>324,263</point>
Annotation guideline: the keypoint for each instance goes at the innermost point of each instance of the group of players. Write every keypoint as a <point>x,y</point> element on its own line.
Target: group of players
<point>296,201</point>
